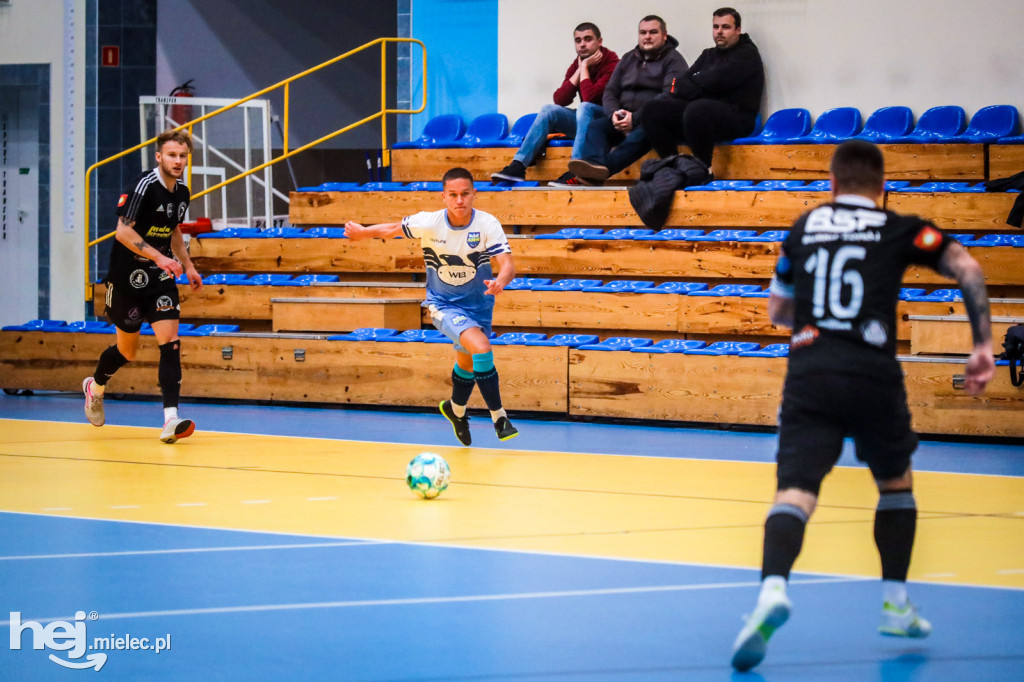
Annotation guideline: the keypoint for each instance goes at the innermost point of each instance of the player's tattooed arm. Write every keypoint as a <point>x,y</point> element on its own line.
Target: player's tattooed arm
<point>958,264</point>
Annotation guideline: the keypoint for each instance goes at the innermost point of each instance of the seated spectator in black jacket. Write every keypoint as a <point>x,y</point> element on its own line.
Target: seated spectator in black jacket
<point>643,73</point>
<point>717,99</point>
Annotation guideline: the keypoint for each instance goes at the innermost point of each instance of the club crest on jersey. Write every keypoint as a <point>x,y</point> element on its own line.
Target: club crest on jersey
<point>138,279</point>
<point>120,202</point>
<point>928,239</point>
<point>873,332</point>
<point>163,304</point>
<point>170,210</point>
<point>473,239</point>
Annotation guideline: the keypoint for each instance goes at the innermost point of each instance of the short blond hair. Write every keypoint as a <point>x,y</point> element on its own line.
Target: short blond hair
<point>171,135</point>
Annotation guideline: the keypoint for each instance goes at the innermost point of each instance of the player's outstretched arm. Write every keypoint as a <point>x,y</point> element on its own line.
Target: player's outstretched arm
<point>127,235</point>
<point>355,231</point>
<point>506,271</point>
<point>957,263</point>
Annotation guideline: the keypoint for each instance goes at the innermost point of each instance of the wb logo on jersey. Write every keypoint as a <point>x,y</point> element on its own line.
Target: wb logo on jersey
<point>473,239</point>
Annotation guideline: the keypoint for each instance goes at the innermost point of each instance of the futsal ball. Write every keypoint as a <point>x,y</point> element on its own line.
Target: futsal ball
<point>427,474</point>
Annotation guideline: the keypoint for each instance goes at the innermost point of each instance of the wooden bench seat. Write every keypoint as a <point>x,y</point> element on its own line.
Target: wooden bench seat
<point>1005,160</point>
<point>315,314</point>
<point>916,162</point>
<point>640,385</point>
<point>951,334</point>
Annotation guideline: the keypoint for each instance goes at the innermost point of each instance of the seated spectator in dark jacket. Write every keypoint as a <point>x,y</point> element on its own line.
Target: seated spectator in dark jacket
<point>643,73</point>
<point>717,99</point>
<point>587,76</point>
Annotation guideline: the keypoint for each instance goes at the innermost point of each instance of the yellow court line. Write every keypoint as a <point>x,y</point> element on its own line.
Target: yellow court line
<point>657,509</point>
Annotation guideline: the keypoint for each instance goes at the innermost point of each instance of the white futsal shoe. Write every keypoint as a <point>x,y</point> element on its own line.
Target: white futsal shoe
<point>905,622</point>
<point>93,403</point>
<point>752,643</point>
<point>176,429</point>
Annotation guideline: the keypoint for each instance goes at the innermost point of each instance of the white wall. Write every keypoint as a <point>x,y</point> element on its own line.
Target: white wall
<point>818,54</point>
<point>32,32</point>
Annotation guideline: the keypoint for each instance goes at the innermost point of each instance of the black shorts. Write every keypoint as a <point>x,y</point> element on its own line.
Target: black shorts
<point>820,410</point>
<point>128,313</point>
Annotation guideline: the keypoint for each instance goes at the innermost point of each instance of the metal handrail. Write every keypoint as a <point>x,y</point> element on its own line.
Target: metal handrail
<point>286,85</point>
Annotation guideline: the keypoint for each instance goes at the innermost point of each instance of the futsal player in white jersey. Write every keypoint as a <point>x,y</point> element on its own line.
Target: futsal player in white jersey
<point>459,243</point>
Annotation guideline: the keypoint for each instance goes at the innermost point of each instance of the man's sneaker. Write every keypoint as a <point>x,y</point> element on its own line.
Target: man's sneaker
<point>592,172</point>
<point>905,622</point>
<point>569,180</point>
<point>176,429</point>
<point>514,172</point>
<point>752,642</point>
<point>460,424</point>
<point>503,427</point>
<point>93,404</point>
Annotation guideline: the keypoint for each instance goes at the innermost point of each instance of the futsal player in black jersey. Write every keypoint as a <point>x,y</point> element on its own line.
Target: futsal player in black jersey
<point>836,285</point>
<point>147,256</point>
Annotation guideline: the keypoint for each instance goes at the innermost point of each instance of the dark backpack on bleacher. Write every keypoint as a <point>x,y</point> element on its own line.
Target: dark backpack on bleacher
<point>1013,351</point>
<point>652,196</point>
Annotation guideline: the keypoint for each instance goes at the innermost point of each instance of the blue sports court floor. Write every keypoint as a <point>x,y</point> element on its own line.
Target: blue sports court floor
<point>281,543</point>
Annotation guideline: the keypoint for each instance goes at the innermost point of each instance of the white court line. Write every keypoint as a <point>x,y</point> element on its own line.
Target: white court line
<point>124,506</point>
<point>193,550</point>
<point>1010,571</point>
<point>441,600</point>
<point>56,508</point>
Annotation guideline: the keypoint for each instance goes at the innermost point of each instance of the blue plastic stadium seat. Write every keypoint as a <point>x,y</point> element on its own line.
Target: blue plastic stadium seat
<point>231,278</point>
<point>670,346</point>
<point>989,124</point>
<point>781,125</point>
<point>570,340</point>
<point>725,348</point>
<point>682,288</point>
<point>938,124</point>
<point>962,238</point>
<point>488,186</point>
<point>382,187</point>
<point>89,326</point>
<point>339,186</point>
<point>414,336</point>
<point>937,187</point>
<point>147,330</point>
<point>486,130</point>
<point>623,286</point>
<point>774,350</point>
<point>728,290</point>
<point>908,293</point>
<point>571,233</point>
<point>285,232</point>
<point>670,234</point>
<point>1013,139</point>
<point>520,283</point>
<point>887,124</point>
<point>269,278</point>
<point>518,131</point>
<point>233,233</point>
<point>832,127</point>
<point>36,325</point>
<point>939,295</point>
<point>620,233</point>
<point>768,236</point>
<point>569,285</point>
<point>365,334</point>
<point>327,232</point>
<point>896,185</point>
<point>207,329</point>
<point>723,236</point>
<point>614,343</point>
<point>772,185</point>
<point>994,240</point>
<point>439,130</point>
<point>517,338</point>
<point>426,186</point>
<point>307,280</point>
<point>818,186</point>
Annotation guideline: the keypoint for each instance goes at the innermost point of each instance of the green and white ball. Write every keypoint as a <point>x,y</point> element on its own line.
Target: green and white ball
<point>427,475</point>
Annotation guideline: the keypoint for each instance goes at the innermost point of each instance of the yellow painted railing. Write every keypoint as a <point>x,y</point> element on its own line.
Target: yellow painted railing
<point>285,85</point>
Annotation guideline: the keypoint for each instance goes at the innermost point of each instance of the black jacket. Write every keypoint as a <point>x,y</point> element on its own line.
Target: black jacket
<point>734,75</point>
<point>1016,216</point>
<point>640,77</point>
<point>652,196</point>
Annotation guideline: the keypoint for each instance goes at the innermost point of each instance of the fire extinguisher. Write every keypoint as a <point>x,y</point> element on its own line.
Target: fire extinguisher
<point>182,113</point>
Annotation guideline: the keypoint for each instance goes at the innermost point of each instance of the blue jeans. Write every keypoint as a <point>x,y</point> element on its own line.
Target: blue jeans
<point>606,146</point>
<point>555,119</point>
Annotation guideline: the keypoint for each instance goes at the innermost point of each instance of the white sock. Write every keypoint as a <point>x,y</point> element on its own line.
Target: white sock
<point>170,413</point>
<point>459,410</point>
<point>96,389</point>
<point>895,592</point>
<point>772,583</point>
<point>498,414</point>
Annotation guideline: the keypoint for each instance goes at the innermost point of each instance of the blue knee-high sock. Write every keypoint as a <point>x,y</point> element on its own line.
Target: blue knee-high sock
<point>487,379</point>
<point>462,385</point>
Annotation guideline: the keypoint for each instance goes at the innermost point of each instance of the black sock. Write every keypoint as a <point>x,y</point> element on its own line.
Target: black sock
<point>111,360</point>
<point>895,526</point>
<point>462,386</point>
<point>783,539</point>
<point>169,373</point>
<point>488,383</point>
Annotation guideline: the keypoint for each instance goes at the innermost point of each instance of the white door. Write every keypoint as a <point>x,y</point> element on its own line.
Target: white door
<point>19,204</point>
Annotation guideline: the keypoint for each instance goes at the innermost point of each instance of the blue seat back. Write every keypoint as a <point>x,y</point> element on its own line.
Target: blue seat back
<point>519,130</point>
<point>887,124</point>
<point>786,123</point>
<point>442,129</point>
<point>485,130</point>
<point>990,123</point>
<point>939,123</point>
<point>836,125</point>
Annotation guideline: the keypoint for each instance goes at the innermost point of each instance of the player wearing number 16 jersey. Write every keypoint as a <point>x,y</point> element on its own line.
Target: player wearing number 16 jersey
<point>836,285</point>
